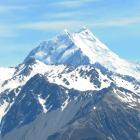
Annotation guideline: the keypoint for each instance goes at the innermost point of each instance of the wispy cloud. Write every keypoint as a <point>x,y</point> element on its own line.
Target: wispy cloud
<point>14,29</point>
<point>50,25</point>
<point>72,24</point>
<point>117,22</point>
<point>6,31</point>
<point>72,3</point>
<point>7,9</point>
<point>58,15</point>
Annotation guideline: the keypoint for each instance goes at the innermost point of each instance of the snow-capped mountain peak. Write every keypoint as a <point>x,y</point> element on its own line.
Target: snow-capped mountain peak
<point>80,48</point>
<point>75,77</point>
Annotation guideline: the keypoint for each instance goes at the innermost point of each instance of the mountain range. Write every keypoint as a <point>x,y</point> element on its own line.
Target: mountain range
<point>71,87</point>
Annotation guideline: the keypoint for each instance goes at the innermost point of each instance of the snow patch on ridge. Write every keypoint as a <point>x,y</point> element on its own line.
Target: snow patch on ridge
<point>3,107</point>
<point>64,105</point>
<point>6,73</point>
<point>55,74</point>
<point>42,103</point>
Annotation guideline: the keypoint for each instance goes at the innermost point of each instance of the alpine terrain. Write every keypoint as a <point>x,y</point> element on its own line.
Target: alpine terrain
<point>72,87</point>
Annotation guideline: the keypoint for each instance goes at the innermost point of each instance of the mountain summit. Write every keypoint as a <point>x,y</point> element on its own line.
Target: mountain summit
<point>81,48</point>
<point>71,87</point>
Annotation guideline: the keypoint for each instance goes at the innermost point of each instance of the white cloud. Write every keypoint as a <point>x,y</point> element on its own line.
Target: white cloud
<point>73,24</point>
<point>72,3</point>
<point>50,25</point>
<point>7,9</point>
<point>67,14</point>
<point>117,22</point>
<point>6,31</point>
<point>14,29</point>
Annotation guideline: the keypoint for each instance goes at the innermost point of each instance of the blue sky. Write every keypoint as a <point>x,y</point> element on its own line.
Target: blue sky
<point>24,24</point>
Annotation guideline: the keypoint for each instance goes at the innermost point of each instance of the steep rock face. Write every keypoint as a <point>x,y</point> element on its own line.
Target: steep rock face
<point>36,96</point>
<point>74,115</point>
<point>110,119</point>
<point>27,105</point>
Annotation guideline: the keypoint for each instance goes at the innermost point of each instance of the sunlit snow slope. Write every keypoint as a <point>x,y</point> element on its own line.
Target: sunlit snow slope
<point>6,73</point>
<point>81,48</point>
